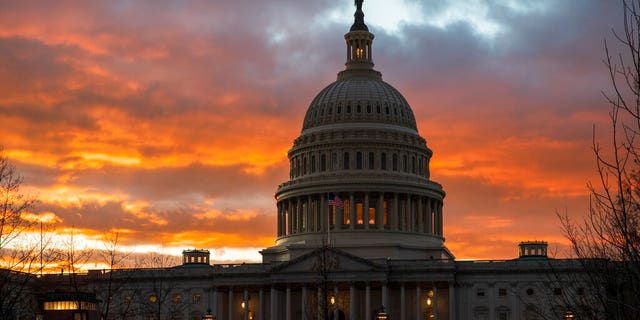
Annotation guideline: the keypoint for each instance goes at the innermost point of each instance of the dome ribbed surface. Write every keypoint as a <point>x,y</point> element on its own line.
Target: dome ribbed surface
<point>359,99</point>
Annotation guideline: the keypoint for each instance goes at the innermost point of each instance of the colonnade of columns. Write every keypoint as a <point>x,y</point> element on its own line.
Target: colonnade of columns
<point>365,210</point>
<point>356,302</point>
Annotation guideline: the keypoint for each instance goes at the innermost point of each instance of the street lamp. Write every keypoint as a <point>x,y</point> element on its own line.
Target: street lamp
<point>208,315</point>
<point>382,315</point>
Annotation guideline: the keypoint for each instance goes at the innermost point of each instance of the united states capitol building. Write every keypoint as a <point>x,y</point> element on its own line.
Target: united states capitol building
<point>359,235</point>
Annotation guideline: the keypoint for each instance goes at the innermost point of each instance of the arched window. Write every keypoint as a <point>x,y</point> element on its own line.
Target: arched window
<point>395,162</point>
<point>358,160</point>
<point>404,163</point>
<point>313,164</point>
<point>383,161</point>
<point>323,162</point>
<point>345,161</point>
<point>371,161</point>
<point>334,161</point>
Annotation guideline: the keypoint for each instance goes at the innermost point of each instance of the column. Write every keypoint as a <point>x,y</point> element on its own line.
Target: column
<point>385,296</point>
<point>273,301</point>
<point>403,302</point>
<point>245,310</point>
<point>420,216</point>
<point>411,214</point>
<point>304,299</point>
<point>365,210</point>
<point>230,302</point>
<point>352,211</point>
<point>418,302</point>
<point>353,308</point>
<point>395,214</point>
<point>261,304</point>
<point>279,223</point>
<point>452,302</point>
<point>435,303</point>
<point>287,308</point>
<point>309,217</point>
<point>214,304</point>
<point>427,222</point>
<point>320,303</point>
<point>336,314</point>
<point>289,217</point>
<point>339,218</point>
<point>440,218</point>
<point>323,212</point>
<point>380,212</point>
<point>367,302</point>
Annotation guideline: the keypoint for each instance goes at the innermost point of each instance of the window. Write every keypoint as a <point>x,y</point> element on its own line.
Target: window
<point>371,160</point>
<point>413,165</point>
<point>177,298</point>
<point>502,292</point>
<point>368,108</point>
<point>313,164</point>
<point>480,292</point>
<point>580,291</point>
<point>383,161</point>
<point>349,109</point>
<point>323,162</point>
<point>395,162</point>
<point>334,161</point>
<point>503,315</point>
<point>358,160</point>
<point>557,291</point>
<point>195,299</point>
<point>345,162</point>
<point>529,292</point>
<point>404,163</point>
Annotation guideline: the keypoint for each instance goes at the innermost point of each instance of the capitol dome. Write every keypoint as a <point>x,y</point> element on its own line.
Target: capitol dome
<point>359,177</point>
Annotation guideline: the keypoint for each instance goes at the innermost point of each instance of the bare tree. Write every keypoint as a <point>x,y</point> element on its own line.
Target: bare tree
<point>18,256</point>
<point>607,240</point>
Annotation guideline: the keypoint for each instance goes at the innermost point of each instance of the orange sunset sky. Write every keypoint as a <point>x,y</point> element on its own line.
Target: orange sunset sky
<point>169,121</point>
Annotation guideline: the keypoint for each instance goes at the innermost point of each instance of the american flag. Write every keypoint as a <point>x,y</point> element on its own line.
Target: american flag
<point>334,200</point>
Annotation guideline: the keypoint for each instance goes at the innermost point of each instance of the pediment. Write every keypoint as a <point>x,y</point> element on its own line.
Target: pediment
<point>327,259</point>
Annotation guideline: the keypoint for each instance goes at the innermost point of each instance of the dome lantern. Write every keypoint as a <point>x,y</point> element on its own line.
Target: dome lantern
<point>359,41</point>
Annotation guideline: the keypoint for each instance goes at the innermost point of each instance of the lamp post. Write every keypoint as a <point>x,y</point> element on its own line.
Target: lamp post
<point>208,315</point>
<point>569,315</point>
<point>382,315</point>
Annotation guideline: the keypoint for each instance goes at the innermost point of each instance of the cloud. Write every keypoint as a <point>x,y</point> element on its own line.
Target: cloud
<point>172,120</point>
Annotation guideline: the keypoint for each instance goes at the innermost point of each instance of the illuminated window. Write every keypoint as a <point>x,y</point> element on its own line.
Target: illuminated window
<point>153,298</point>
<point>359,53</point>
<point>502,292</point>
<point>195,299</point>
<point>372,215</point>
<point>385,213</point>
<point>69,305</point>
<point>346,218</point>
<point>177,298</point>
<point>359,214</point>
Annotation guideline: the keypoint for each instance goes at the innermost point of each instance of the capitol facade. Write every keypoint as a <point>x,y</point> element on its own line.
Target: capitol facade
<point>359,236</point>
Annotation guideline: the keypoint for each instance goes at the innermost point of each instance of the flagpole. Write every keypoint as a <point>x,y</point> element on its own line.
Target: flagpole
<point>328,223</point>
